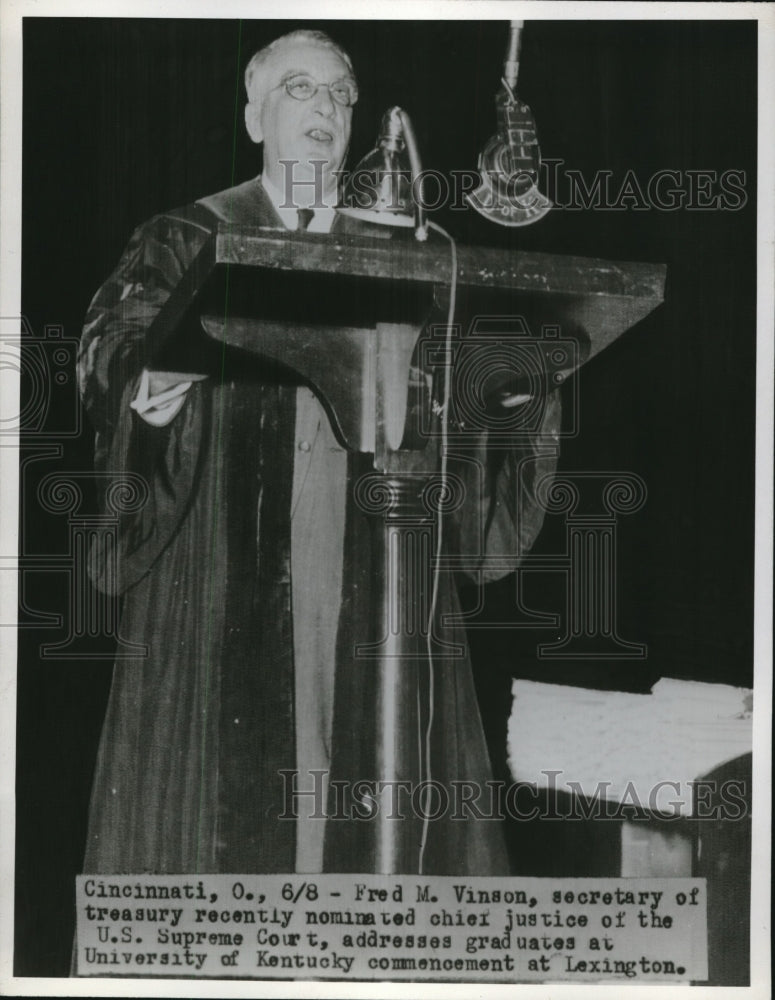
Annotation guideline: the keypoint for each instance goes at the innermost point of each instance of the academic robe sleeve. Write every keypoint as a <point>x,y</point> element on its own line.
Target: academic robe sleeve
<point>115,346</point>
<point>502,514</point>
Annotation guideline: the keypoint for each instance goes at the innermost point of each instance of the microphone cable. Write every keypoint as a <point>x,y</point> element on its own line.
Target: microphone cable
<point>445,402</point>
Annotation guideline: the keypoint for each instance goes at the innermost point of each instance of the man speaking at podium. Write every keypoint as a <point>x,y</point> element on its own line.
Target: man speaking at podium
<point>231,573</point>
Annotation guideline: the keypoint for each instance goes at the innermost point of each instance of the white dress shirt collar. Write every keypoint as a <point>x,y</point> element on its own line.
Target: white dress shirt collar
<point>321,222</point>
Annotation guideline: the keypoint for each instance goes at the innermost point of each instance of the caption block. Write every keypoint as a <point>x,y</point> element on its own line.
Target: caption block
<point>372,927</point>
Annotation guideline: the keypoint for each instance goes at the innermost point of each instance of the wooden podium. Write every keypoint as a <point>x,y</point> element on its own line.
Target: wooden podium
<point>378,393</point>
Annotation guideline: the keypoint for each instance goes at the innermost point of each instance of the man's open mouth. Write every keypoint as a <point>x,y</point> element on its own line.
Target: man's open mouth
<point>320,135</point>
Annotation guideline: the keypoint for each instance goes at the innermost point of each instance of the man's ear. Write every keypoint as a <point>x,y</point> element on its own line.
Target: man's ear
<point>253,121</point>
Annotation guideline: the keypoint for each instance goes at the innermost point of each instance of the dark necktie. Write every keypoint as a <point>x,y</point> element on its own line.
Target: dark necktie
<point>305,217</point>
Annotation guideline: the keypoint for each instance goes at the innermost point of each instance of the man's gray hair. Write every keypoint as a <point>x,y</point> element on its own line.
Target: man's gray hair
<point>302,35</point>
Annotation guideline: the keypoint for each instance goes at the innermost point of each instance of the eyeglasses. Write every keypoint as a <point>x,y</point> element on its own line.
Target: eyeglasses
<point>303,88</point>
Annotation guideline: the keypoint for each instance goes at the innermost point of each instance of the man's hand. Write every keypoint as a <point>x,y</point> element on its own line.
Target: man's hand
<point>512,399</point>
<point>161,395</point>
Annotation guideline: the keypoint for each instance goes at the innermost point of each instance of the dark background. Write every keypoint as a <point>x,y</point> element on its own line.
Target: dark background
<point>123,119</point>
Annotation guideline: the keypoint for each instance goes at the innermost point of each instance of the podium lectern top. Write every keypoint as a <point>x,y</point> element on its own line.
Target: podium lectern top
<point>597,298</point>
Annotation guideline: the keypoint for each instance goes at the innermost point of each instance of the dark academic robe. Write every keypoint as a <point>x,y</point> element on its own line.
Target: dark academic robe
<point>196,732</point>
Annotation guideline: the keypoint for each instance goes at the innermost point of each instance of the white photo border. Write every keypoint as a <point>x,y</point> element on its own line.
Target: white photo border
<point>10,272</point>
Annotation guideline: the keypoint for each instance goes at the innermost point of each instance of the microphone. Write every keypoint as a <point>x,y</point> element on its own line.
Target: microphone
<point>510,162</point>
<point>381,188</point>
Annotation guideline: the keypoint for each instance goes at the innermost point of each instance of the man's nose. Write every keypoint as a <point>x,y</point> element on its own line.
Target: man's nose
<point>324,103</point>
